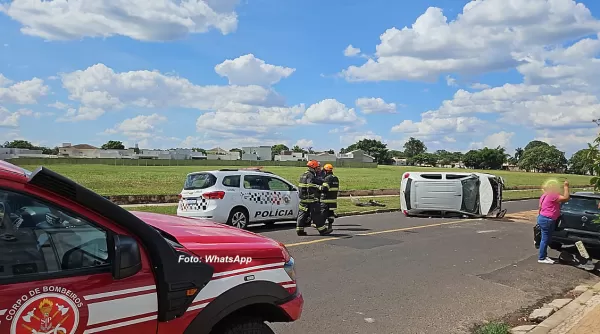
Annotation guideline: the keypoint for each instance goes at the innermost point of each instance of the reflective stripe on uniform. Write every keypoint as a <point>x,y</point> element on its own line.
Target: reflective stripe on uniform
<point>325,184</point>
<point>302,207</point>
<point>322,228</point>
<point>329,201</point>
<point>308,185</point>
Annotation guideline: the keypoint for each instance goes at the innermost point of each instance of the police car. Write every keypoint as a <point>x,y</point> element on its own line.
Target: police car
<point>238,197</point>
<point>72,262</point>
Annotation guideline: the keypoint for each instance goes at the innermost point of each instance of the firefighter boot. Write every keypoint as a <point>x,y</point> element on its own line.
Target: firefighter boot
<point>324,230</point>
<point>330,223</point>
<point>300,232</point>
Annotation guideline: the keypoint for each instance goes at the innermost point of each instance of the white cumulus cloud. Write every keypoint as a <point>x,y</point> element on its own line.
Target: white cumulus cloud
<point>139,127</point>
<point>144,20</point>
<point>372,105</point>
<point>331,111</point>
<point>484,37</point>
<point>22,92</point>
<point>249,70</point>
<point>351,51</point>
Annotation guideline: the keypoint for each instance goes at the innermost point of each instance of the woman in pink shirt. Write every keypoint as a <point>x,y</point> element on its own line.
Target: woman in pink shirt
<point>549,211</point>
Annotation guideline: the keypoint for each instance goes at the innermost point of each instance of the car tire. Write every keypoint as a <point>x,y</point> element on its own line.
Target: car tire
<point>238,218</point>
<point>249,326</point>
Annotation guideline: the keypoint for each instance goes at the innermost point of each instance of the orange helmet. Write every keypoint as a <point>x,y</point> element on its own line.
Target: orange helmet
<point>328,167</point>
<point>313,164</point>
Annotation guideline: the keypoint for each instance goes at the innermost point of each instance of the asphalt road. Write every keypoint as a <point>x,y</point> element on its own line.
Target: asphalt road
<point>386,273</point>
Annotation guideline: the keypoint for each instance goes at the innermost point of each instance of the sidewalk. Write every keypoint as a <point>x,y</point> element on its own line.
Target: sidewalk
<point>581,316</point>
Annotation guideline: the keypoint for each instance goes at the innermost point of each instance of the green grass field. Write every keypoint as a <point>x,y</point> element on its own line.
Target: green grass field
<point>142,180</point>
<point>345,205</point>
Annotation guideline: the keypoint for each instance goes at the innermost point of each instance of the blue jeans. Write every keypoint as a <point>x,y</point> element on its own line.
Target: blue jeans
<point>547,227</point>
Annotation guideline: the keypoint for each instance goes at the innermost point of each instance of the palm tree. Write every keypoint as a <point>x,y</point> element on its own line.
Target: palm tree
<point>519,154</point>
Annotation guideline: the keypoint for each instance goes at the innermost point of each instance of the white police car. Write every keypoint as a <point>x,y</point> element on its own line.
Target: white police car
<point>238,197</point>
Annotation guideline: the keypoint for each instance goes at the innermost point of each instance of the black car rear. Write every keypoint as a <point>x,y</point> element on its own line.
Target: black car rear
<point>578,220</point>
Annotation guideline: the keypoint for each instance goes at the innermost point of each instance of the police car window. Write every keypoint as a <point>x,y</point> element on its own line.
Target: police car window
<point>232,181</point>
<point>278,185</point>
<point>199,181</point>
<point>37,238</point>
<point>256,182</point>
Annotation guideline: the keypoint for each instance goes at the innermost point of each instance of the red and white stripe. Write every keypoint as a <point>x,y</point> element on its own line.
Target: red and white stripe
<point>114,309</point>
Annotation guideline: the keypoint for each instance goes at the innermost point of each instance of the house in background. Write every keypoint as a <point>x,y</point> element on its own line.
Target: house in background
<point>356,156</point>
<point>263,153</point>
<point>322,158</point>
<point>400,162</point>
<point>218,153</point>
<point>289,156</point>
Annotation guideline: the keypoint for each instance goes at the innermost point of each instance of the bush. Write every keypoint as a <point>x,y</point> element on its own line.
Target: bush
<point>493,328</point>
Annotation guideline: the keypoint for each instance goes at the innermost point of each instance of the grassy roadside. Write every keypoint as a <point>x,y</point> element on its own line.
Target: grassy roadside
<point>167,180</point>
<point>493,328</point>
<point>345,205</point>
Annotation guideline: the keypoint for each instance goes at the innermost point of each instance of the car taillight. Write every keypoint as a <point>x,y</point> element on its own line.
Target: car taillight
<point>406,175</point>
<point>214,195</point>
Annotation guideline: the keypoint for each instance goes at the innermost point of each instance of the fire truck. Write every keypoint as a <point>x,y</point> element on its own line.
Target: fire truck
<point>73,262</point>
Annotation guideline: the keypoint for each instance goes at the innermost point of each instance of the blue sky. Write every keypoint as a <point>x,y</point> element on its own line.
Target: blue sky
<point>497,74</point>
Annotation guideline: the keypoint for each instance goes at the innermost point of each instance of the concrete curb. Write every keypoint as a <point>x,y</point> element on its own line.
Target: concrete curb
<point>565,313</point>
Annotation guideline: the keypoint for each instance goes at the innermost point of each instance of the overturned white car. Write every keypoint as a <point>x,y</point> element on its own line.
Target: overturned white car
<point>451,194</point>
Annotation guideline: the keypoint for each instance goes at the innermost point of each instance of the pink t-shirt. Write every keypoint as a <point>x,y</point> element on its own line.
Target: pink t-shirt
<point>550,206</point>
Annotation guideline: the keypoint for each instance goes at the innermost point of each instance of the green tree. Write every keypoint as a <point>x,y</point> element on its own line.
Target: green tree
<point>19,144</point>
<point>298,149</point>
<point>276,149</point>
<point>444,157</point>
<point>535,143</point>
<point>197,149</point>
<point>473,159</point>
<point>397,154</point>
<point>425,159</point>
<point>518,154</point>
<point>492,158</point>
<point>374,148</point>
<point>236,150</point>
<point>582,162</point>
<point>113,145</point>
<point>330,151</point>
<point>414,147</point>
<point>544,158</point>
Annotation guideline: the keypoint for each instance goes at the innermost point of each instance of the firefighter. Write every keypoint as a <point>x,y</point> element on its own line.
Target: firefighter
<point>329,195</point>
<point>310,194</point>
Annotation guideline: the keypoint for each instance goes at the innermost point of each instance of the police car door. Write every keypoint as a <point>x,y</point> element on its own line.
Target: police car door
<point>55,272</point>
<point>257,197</point>
<point>285,199</point>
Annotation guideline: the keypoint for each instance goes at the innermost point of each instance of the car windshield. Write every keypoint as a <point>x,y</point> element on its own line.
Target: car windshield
<point>470,195</point>
<point>200,181</point>
<point>580,204</point>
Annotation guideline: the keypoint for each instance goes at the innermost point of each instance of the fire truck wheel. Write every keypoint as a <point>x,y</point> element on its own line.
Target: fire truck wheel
<point>249,326</point>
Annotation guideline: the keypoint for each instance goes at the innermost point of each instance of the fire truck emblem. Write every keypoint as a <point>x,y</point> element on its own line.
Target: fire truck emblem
<point>49,313</point>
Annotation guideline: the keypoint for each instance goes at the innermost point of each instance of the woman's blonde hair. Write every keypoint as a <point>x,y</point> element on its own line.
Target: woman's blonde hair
<point>550,183</point>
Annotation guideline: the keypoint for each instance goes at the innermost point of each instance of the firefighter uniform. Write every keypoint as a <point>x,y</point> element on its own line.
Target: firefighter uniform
<point>309,207</point>
<point>329,195</point>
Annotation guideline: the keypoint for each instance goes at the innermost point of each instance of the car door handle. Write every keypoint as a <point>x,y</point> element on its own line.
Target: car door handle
<point>592,212</point>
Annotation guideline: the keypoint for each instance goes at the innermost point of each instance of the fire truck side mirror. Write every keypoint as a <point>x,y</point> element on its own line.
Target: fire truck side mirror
<point>127,260</point>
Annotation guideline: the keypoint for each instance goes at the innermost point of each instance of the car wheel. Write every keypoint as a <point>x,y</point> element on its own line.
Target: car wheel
<point>238,218</point>
<point>249,326</point>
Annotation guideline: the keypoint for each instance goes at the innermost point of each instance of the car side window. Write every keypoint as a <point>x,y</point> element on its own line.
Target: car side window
<point>38,238</point>
<point>232,181</point>
<point>278,185</point>
<point>432,176</point>
<point>256,182</point>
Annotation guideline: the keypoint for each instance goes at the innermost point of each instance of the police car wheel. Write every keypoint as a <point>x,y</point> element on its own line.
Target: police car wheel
<point>248,327</point>
<point>238,218</point>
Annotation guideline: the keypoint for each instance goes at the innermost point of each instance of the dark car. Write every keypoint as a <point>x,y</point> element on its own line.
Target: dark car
<point>578,221</point>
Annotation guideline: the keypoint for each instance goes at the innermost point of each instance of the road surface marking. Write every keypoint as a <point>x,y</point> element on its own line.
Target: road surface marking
<point>419,227</point>
<point>380,232</point>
